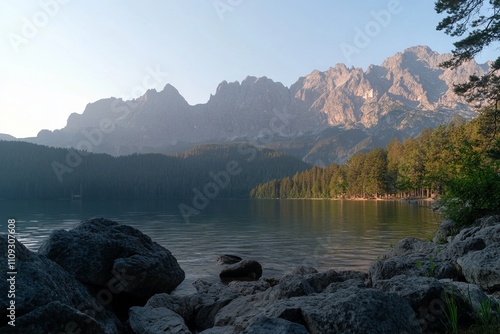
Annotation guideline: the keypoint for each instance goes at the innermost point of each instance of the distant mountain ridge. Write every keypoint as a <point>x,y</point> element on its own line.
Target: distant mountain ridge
<point>407,93</point>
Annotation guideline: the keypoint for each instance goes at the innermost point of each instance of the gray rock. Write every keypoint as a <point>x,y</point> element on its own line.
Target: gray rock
<point>457,249</point>
<point>426,295</point>
<point>97,251</point>
<point>228,259</point>
<point>413,266</point>
<point>320,281</point>
<point>240,312</point>
<point>265,325</point>
<point>292,286</point>
<point>302,271</point>
<point>486,228</point>
<point>351,310</point>
<point>185,306</point>
<point>214,296</point>
<point>243,270</point>
<point>356,311</point>
<point>338,286</point>
<point>40,282</point>
<point>145,320</point>
<point>244,288</point>
<point>490,233</point>
<point>197,310</point>
<point>471,292</point>
<point>413,246</point>
<point>446,231</point>
<point>214,290</point>
<point>483,267</point>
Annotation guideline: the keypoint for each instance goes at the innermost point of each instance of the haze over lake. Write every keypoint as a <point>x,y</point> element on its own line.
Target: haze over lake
<point>280,234</point>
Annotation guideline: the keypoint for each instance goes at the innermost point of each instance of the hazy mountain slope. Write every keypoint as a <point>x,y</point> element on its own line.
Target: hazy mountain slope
<point>4,136</point>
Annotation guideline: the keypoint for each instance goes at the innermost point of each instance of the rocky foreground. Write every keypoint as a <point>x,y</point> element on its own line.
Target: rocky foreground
<point>103,277</point>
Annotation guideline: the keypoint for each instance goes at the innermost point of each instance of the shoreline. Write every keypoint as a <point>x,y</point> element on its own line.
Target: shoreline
<point>411,277</point>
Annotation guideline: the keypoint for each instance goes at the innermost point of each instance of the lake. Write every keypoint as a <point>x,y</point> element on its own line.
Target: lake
<point>280,234</point>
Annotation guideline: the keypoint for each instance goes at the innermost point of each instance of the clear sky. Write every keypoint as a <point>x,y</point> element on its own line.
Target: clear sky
<point>59,55</point>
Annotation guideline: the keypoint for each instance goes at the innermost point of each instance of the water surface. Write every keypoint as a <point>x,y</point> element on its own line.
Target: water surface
<point>280,234</point>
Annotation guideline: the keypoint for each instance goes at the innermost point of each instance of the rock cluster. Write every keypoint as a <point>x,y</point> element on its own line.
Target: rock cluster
<point>85,280</point>
<point>404,292</point>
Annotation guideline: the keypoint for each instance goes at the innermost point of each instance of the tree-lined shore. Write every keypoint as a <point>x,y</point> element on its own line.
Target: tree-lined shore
<point>458,162</point>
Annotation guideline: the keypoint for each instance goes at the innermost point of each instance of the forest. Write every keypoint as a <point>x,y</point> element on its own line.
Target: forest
<point>30,171</point>
<point>458,162</point>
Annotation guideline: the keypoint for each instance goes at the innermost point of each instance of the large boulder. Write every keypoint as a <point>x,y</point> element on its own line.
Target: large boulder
<point>426,295</point>
<point>411,265</point>
<point>44,292</point>
<point>120,258</point>
<point>246,270</point>
<point>483,267</point>
<point>350,310</point>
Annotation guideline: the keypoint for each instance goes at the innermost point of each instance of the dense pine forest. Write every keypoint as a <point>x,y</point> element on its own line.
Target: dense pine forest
<point>449,160</point>
<point>30,171</point>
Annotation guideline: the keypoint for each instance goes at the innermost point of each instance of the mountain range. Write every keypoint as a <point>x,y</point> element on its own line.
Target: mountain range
<point>323,117</point>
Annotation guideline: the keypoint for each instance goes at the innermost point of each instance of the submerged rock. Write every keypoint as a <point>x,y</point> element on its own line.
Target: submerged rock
<point>248,270</point>
<point>228,259</point>
<point>120,258</point>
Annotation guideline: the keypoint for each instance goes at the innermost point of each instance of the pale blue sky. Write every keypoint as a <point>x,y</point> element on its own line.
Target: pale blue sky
<point>82,51</point>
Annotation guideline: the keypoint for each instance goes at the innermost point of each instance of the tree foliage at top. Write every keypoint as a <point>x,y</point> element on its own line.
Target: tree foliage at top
<point>478,22</point>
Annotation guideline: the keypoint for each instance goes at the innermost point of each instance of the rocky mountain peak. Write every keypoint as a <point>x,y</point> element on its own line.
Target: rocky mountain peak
<point>408,91</point>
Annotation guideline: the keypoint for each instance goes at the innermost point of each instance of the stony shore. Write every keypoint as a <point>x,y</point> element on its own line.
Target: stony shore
<point>103,277</point>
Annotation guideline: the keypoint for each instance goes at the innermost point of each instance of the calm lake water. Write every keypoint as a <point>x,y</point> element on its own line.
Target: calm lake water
<point>280,234</point>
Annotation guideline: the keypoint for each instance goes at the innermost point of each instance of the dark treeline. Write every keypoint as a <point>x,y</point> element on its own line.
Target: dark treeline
<point>29,171</point>
<point>421,167</point>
